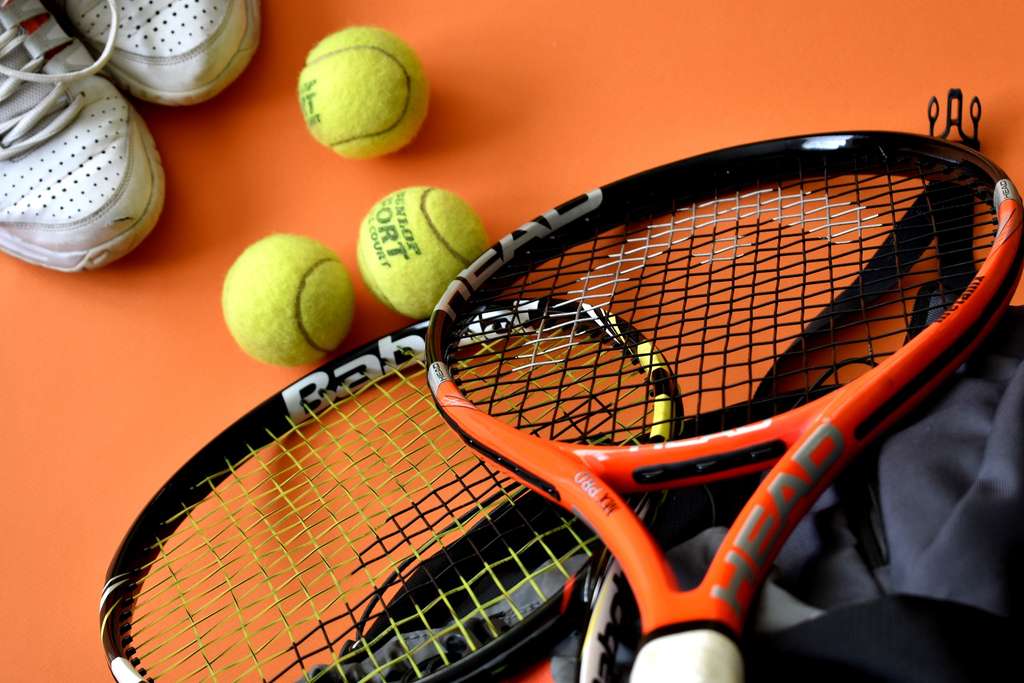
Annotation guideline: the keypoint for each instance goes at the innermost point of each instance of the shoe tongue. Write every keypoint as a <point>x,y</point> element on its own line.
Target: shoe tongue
<point>20,11</point>
<point>47,37</point>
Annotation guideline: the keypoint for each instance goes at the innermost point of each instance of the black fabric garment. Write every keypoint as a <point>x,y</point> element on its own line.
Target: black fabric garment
<point>952,486</point>
<point>931,590</point>
<point>893,639</point>
<point>949,493</point>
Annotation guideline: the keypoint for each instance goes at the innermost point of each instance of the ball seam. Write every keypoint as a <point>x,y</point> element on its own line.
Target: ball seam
<point>408,91</point>
<point>437,233</point>
<point>298,304</point>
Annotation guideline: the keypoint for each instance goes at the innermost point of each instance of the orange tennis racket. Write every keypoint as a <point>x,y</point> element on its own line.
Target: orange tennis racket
<point>772,306</point>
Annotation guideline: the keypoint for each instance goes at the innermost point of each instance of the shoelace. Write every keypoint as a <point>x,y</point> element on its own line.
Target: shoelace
<point>19,133</point>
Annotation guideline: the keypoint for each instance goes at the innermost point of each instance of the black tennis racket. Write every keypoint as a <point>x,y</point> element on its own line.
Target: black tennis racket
<point>341,532</point>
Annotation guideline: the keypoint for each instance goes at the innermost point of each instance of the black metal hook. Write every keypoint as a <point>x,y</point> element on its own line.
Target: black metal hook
<point>954,117</point>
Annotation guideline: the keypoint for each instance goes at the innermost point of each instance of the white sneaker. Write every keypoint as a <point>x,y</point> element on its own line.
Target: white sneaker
<point>172,51</point>
<point>80,178</point>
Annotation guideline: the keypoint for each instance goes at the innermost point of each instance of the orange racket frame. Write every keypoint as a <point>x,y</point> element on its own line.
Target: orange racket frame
<point>817,439</point>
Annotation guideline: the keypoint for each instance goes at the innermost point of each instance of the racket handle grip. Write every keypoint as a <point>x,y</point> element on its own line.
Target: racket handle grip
<point>697,656</point>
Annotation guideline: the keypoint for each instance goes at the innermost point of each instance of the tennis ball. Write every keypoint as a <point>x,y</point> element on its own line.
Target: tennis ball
<point>413,243</point>
<point>363,92</point>
<point>287,300</point>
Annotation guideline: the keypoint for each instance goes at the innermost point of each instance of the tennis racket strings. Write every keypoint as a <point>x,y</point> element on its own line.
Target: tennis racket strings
<point>755,297</point>
<point>364,544</point>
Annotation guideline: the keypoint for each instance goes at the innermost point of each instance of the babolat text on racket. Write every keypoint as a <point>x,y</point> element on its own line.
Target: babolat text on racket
<point>775,305</point>
<point>341,532</point>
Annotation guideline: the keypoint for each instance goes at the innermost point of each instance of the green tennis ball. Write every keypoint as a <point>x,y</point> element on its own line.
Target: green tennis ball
<point>363,92</point>
<point>287,300</point>
<point>413,243</point>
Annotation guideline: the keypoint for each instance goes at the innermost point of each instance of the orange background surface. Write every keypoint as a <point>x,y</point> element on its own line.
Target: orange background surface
<point>110,380</point>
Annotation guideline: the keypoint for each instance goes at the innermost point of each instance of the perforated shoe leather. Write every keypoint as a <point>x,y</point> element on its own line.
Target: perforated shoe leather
<point>80,179</point>
<point>171,51</point>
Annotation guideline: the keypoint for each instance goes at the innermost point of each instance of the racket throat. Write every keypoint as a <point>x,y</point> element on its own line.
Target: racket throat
<point>764,524</point>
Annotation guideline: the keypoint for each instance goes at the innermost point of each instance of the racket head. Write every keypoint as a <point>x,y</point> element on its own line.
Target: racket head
<point>341,525</point>
<point>743,269</point>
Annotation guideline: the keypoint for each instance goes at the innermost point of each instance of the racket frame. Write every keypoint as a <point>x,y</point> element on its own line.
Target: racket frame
<point>814,440</point>
<point>212,464</point>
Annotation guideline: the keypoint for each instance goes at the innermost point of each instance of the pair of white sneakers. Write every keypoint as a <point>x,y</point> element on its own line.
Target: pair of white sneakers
<point>80,178</point>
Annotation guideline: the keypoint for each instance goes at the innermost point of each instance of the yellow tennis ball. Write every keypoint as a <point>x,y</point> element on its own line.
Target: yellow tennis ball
<point>287,300</point>
<point>363,92</point>
<point>413,243</point>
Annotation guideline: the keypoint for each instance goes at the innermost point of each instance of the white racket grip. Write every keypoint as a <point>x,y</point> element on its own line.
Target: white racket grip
<point>698,656</point>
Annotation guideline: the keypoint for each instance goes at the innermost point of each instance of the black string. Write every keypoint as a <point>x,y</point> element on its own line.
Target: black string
<point>761,296</point>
